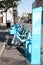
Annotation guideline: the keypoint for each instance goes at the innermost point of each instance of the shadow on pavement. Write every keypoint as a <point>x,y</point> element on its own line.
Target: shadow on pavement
<point>3,27</point>
<point>22,51</point>
<point>3,36</point>
<point>3,33</point>
<point>41,52</point>
<point>11,61</point>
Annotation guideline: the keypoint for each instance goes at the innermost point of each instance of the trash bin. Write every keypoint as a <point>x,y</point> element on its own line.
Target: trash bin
<point>8,24</point>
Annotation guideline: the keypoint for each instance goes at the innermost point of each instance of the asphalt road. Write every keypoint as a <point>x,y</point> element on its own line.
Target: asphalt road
<point>29,26</point>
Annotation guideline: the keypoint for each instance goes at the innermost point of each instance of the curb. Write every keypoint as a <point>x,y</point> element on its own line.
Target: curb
<point>2,49</point>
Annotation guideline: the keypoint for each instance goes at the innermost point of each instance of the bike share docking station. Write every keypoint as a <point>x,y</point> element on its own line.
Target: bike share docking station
<point>32,40</point>
<point>34,50</point>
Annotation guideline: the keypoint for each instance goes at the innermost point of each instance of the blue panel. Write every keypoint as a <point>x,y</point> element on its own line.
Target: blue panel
<point>28,47</point>
<point>36,35</point>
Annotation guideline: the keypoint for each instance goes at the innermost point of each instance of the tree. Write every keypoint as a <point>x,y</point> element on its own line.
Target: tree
<point>6,4</point>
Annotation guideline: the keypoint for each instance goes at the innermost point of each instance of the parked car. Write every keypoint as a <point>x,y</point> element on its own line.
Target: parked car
<point>28,20</point>
<point>25,21</point>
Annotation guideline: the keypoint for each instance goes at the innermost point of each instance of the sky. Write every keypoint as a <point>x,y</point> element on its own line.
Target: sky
<point>25,6</point>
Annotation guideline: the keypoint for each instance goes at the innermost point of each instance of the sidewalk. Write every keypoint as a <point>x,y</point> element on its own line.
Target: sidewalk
<point>3,37</point>
<point>12,57</point>
<point>9,56</point>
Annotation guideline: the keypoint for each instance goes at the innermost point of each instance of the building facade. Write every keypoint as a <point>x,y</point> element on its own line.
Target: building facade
<point>9,16</point>
<point>6,16</point>
<point>1,17</point>
<point>37,3</point>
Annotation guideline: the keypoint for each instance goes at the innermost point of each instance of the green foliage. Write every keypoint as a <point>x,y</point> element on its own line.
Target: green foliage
<point>22,18</point>
<point>8,3</point>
